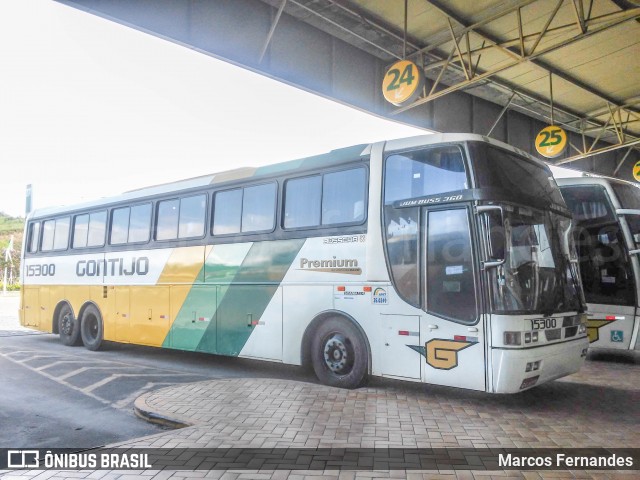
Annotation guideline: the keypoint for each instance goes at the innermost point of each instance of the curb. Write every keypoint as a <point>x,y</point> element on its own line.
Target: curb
<point>142,410</point>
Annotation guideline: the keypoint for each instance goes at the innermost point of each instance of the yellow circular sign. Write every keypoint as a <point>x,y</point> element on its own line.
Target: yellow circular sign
<point>402,83</point>
<point>551,141</point>
<point>636,171</point>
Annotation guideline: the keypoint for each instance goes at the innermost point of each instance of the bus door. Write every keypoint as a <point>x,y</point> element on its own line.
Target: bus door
<point>608,266</point>
<point>452,330</point>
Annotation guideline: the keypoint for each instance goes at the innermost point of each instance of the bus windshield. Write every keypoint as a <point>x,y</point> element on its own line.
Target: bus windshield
<point>629,198</point>
<point>537,275</point>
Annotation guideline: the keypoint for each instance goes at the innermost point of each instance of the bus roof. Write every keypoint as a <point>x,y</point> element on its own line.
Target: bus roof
<point>334,157</point>
<point>593,180</point>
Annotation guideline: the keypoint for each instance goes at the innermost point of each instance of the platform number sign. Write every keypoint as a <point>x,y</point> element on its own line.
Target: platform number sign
<point>402,83</point>
<point>636,171</point>
<point>551,141</point>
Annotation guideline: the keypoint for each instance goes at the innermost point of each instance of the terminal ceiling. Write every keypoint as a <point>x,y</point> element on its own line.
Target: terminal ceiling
<point>504,68</point>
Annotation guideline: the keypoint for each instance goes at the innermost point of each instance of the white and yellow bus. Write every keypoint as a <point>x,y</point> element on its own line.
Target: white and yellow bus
<point>607,230</point>
<point>443,259</point>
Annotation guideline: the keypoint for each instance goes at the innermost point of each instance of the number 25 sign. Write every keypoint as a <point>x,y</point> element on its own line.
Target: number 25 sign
<point>402,83</point>
<point>551,141</point>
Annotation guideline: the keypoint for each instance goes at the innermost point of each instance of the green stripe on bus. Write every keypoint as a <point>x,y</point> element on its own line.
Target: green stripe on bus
<point>240,281</point>
<point>247,297</point>
<point>199,308</point>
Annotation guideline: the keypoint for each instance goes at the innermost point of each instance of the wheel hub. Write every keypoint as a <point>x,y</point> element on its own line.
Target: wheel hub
<point>336,355</point>
<point>66,325</point>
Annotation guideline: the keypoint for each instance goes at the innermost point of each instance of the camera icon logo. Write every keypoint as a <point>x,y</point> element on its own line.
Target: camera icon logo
<point>23,459</point>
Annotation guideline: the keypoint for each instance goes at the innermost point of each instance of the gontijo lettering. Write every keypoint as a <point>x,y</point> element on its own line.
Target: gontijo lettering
<point>112,267</point>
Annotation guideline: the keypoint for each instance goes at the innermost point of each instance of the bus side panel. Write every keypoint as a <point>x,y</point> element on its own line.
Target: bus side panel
<point>610,326</point>
<point>31,305</point>
<point>300,305</point>
<point>150,310</point>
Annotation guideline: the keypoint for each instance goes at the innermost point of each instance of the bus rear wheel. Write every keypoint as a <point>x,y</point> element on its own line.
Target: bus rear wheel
<point>68,326</point>
<point>91,328</point>
<point>339,354</point>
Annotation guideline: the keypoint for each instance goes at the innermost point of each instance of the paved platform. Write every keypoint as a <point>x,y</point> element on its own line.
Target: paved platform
<point>598,407</point>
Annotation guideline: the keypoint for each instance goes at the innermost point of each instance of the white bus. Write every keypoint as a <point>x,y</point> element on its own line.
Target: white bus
<point>607,230</point>
<point>443,259</point>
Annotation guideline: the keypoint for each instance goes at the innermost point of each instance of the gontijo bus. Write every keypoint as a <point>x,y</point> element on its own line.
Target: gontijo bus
<point>607,219</point>
<point>444,259</point>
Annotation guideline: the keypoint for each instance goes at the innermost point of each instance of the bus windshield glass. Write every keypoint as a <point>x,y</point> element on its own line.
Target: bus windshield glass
<point>537,275</point>
<point>629,197</point>
<point>514,175</point>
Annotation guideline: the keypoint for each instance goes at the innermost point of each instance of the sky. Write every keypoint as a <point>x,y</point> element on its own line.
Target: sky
<point>90,108</point>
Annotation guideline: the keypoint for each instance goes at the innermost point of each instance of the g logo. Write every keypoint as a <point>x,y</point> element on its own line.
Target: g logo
<point>443,354</point>
<point>593,327</point>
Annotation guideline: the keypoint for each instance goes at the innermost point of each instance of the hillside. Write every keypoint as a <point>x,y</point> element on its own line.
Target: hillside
<point>10,226</point>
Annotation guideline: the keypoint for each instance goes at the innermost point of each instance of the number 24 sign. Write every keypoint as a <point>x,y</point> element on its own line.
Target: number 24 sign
<point>551,141</point>
<point>402,83</point>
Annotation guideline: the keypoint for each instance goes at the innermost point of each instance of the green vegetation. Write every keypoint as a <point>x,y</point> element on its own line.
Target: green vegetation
<point>11,227</point>
<point>10,224</point>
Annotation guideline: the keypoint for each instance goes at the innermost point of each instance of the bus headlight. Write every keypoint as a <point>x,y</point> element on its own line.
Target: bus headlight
<point>512,338</point>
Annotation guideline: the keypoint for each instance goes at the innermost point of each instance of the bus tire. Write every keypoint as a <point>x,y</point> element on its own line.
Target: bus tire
<point>68,326</point>
<point>91,328</point>
<point>339,354</point>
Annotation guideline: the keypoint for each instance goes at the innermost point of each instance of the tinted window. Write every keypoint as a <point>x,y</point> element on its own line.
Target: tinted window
<point>589,203</point>
<point>119,226</point>
<point>97,229</point>
<point>258,208</point>
<point>139,223</point>
<point>628,195</point>
<point>450,286</point>
<point>605,267</point>
<point>251,209</point>
<point>48,229</point>
<point>513,174</point>
<point>227,212</point>
<point>302,202</point>
<point>130,224</point>
<point>424,172</point>
<point>55,234</point>
<point>168,214</point>
<point>402,250</point>
<point>80,231</point>
<point>192,213</point>
<point>34,236</point>
<point>61,236</point>
<point>343,196</point>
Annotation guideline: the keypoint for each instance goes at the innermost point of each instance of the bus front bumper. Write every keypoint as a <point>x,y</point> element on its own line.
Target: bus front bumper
<point>510,366</point>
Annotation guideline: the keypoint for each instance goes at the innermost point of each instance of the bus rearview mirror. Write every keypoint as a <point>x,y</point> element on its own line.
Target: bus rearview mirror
<point>494,218</point>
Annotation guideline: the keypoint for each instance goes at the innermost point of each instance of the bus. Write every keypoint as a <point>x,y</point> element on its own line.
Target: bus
<point>607,236</point>
<point>444,259</point>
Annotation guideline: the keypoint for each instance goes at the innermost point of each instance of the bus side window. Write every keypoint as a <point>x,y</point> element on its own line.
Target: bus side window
<point>227,212</point>
<point>80,231</point>
<point>258,208</point>
<point>302,202</point>
<point>55,234</point>
<point>192,213</point>
<point>130,224</point>
<point>450,284</point>
<point>343,195</point>
<point>34,236</point>
<point>97,229</point>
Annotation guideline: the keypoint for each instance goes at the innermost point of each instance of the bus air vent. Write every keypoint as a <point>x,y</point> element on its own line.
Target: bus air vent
<point>553,334</point>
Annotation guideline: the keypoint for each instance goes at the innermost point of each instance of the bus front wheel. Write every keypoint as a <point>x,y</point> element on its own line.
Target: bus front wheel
<point>91,328</point>
<point>68,326</point>
<point>339,354</point>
